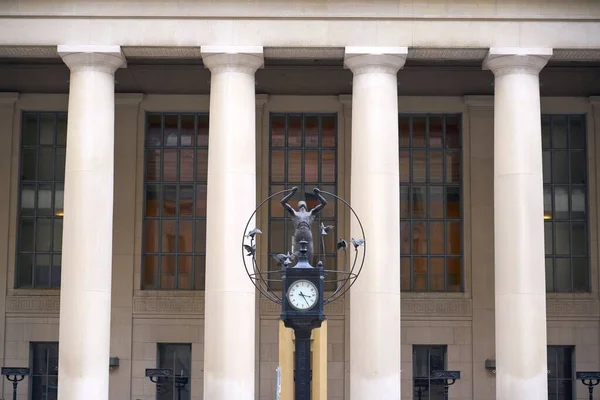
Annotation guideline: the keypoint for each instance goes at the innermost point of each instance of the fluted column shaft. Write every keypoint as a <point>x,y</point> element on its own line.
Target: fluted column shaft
<point>229,347</point>
<point>520,290</point>
<point>375,193</point>
<point>85,295</point>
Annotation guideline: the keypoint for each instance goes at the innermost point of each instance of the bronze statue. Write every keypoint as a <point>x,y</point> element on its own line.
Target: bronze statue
<point>303,219</point>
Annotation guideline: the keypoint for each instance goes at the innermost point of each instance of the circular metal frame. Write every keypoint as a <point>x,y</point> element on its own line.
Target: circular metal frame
<point>262,279</point>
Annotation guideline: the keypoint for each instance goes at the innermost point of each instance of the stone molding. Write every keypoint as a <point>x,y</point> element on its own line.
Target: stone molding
<point>162,52</point>
<point>462,54</point>
<point>261,100</point>
<point>267,307</point>
<point>8,98</point>
<point>169,305</point>
<point>33,304</point>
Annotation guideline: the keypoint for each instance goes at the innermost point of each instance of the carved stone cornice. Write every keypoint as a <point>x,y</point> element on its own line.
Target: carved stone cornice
<point>33,304</point>
<point>438,307</point>
<point>572,308</point>
<point>180,305</point>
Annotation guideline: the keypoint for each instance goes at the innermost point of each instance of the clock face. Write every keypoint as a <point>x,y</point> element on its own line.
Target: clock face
<point>302,295</point>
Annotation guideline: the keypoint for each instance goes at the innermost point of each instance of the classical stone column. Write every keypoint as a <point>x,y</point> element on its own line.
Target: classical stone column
<point>85,295</point>
<point>229,316</point>
<point>375,194</point>
<point>520,290</point>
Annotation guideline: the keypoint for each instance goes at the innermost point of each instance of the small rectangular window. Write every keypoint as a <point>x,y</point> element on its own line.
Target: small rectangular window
<point>427,359</point>
<point>561,372</point>
<point>177,357</point>
<point>44,370</point>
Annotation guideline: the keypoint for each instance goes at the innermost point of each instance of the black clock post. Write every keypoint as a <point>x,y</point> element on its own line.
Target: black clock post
<point>300,282</point>
<point>303,285</point>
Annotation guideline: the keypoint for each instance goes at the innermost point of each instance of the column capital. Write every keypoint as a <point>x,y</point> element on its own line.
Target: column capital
<point>510,60</point>
<point>595,101</point>
<point>103,58</point>
<point>233,58</point>
<point>8,98</point>
<point>361,59</point>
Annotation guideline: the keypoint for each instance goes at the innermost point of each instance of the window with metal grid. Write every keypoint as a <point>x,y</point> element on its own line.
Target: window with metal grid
<point>430,203</point>
<point>565,203</point>
<point>175,171</point>
<point>303,153</point>
<point>427,359</point>
<point>561,371</point>
<point>41,191</point>
<point>177,357</point>
<point>44,370</point>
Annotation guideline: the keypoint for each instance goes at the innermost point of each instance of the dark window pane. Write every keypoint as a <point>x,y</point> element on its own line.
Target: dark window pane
<point>548,238</point>
<point>294,165</point>
<point>404,131</point>
<point>579,238</point>
<point>419,166</point>
<point>154,130</point>
<point>186,201</point>
<point>186,165</point>
<point>436,202</point>
<point>560,167</point>
<point>576,132</point>
<point>405,237</point>
<point>184,272</point>
<point>186,236</point>
<point>581,275</point>
<point>170,164</point>
<point>188,130</point>
<point>199,272</point>
<point>453,167</point>
<point>203,122</point>
<point>43,234</point>
<point>26,234</point>
<point>29,165</point>
<point>278,166</point>
<point>328,126</point>
<point>419,202</point>
<point>578,209</point>
<point>328,171</point>
<point>453,232</point>
<point>153,165</point>
<point>200,233</point>
<point>550,275</point>
<point>57,235</point>
<point>25,270</point>
<point>45,164</point>
<point>436,235</point>
<point>559,132</point>
<point>200,201</point>
<point>436,132</point>
<point>419,132</point>
<point>59,164</point>
<point>29,130</point>
<point>578,167</point>
<point>404,202</point>
<point>47,128</point>
<point>404,273</point>
<point>453,205</point>
<point>278,131</point>
<point>153,197</point>
<point>546,136</point>
<point>169,201</point>
<point>454,271</point>
<point>311,166</point>
<point>420,238</point>
<point>178,358</point>
<point>561,203</point>
<point>404,166</point>
<point>562,236</point>
<point>547,166</point>
<point>436,167</point>
<point>294,131</point>
<point>437,274</point>
<point>311,131</point>
<point>563,274</point>
<point>453,132</point>
<point>150,272</point>
<point>171,130</point>
<point>201,165</point>
<point>547,202</point>
<point>420,274</point>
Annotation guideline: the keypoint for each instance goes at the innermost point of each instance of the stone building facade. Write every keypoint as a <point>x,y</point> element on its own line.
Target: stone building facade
<point>472,124</point>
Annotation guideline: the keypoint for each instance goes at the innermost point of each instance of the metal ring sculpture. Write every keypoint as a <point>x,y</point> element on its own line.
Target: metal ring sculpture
<point>263,279</point>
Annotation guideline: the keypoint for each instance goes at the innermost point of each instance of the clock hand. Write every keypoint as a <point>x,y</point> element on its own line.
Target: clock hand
<point>304,297</point>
